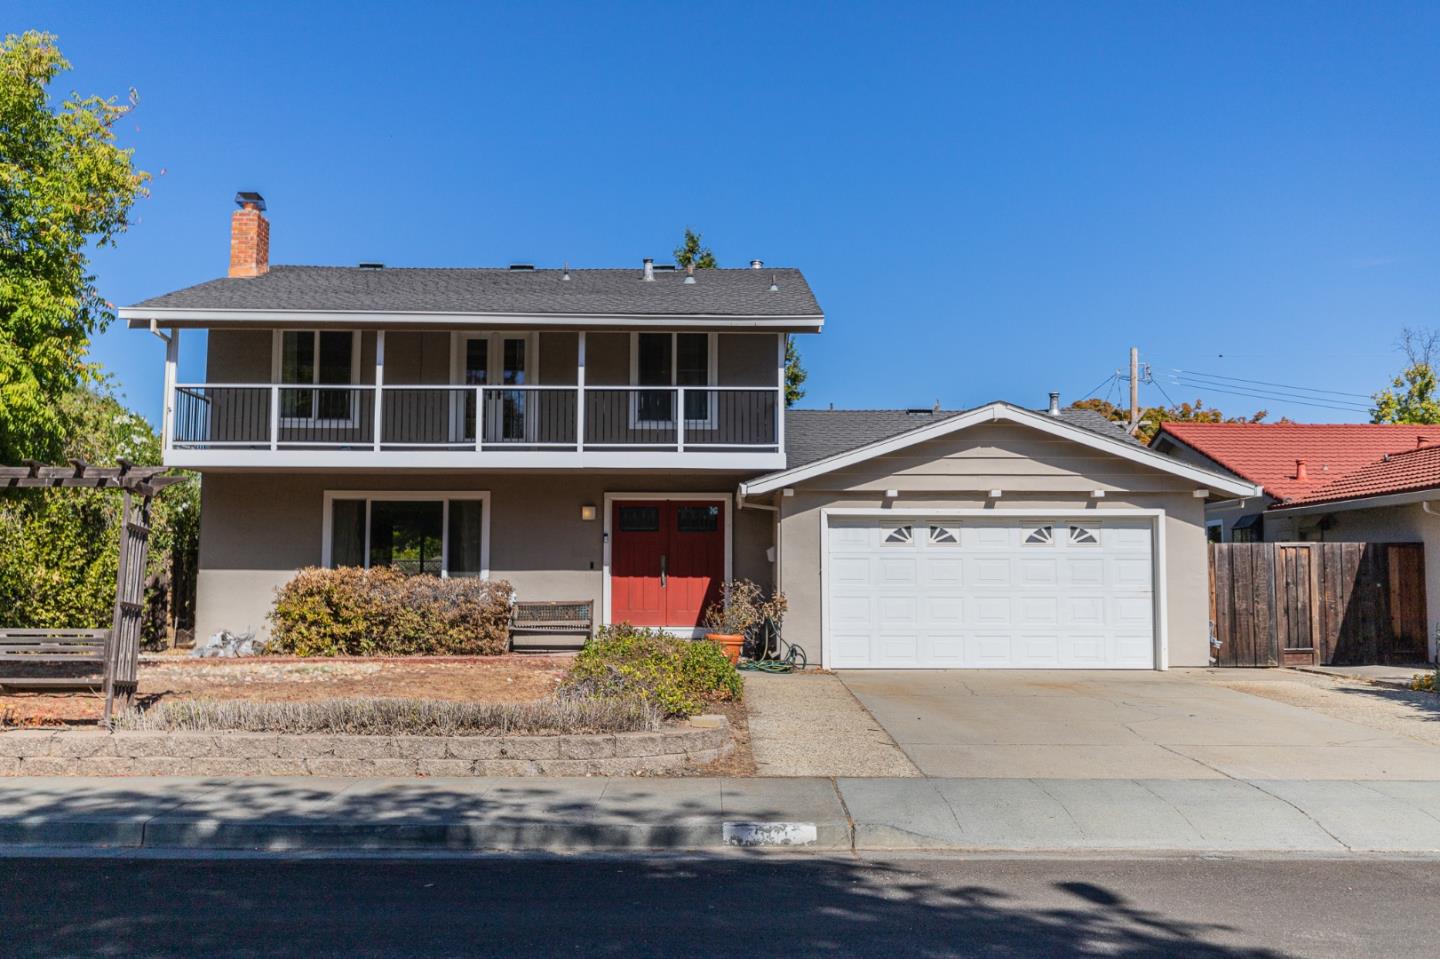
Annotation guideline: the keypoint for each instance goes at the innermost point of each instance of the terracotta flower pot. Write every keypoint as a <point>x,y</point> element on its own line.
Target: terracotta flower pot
<point>732,643</point>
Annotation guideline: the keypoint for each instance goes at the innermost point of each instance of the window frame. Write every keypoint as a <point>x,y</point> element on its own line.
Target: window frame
<point>712,374</point>
<point>277,357</point>
<point>445,496</point>
<point>494,372</point>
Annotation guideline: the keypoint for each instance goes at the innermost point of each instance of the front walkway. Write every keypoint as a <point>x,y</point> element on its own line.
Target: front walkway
<point>1181,724</point>
<point>809,724</point>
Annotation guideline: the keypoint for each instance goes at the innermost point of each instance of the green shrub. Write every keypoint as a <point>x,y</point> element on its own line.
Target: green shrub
<point>676,675</point>
<point>382,612</point>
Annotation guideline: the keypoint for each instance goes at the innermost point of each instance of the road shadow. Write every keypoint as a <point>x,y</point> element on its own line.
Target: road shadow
<point>747,907</point>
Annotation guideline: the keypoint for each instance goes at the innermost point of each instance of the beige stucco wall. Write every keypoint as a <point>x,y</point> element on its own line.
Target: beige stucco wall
<point>257,529</point>
<point>1034,470</point>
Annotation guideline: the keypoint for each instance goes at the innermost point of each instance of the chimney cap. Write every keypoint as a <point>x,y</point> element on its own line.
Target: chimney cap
<point>1054,403</point>
<point>246,198</point>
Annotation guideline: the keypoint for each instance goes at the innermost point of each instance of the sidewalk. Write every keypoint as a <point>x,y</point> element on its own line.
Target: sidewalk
<point>579,815</point>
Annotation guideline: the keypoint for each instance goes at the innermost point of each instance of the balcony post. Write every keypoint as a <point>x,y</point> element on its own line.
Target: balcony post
<point>580,394</point>
<point>679,419</point>
<point>782,339</point>
<point>479,418</point>
<point>379,384</point>
<point>274,417</point>
<point>172,360</point>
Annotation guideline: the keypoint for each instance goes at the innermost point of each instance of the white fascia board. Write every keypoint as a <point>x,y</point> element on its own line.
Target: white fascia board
<point>1004,412</point>
<point>145,317</point>
<point>410,460</point>
<point>1362,502</point>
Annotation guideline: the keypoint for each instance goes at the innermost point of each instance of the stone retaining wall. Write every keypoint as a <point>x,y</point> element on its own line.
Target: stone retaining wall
<point>43,752</point>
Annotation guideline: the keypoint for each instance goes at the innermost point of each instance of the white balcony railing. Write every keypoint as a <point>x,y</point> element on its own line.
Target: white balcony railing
<point>475,419</point>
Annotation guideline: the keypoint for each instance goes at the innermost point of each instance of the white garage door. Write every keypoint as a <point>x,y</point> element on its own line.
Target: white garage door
<point>990,593</point>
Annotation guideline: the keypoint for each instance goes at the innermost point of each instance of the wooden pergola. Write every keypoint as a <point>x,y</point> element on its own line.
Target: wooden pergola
<point>139,486</point>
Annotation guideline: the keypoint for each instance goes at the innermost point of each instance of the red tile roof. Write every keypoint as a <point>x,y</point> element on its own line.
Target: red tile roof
<point>1266,453</point>
<point>1393,473</point>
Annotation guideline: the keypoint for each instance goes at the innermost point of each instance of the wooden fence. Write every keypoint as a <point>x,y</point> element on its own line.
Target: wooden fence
<point>1292,604</point>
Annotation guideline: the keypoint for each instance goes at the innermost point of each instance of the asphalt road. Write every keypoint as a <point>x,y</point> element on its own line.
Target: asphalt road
<point>743,907</point>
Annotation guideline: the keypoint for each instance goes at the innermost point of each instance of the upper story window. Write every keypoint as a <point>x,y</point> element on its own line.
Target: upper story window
<point>671,359</point>
<point>318,358</point>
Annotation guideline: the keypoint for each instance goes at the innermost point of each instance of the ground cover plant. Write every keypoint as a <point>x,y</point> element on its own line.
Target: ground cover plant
<point>677,676</point>
<point>399,717</point>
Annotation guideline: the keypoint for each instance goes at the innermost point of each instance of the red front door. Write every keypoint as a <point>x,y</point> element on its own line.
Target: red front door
<point>667,558</point>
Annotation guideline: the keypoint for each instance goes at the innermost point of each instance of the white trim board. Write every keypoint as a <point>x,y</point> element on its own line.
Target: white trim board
<point>170,317</point>
<point>608,501</point>
<point>995,413</point>
<point>1158,566</point>
<point>331,495</point>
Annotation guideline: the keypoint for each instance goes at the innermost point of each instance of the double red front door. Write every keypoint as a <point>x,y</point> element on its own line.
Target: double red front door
<point>667,559</point>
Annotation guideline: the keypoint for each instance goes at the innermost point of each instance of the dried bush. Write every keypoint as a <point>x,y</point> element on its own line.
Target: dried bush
<point>382,612</point>
<point>742,607</point>
<point>398,717</point>
<point>675,675</point>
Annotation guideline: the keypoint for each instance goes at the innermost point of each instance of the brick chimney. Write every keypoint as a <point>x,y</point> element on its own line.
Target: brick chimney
<point>249,236</point>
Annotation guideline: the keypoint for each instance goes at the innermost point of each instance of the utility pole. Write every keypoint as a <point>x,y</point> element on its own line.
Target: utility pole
<point>1134,390</point>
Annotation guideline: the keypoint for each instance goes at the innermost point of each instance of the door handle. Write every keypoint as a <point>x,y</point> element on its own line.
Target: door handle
<point>662,571</point>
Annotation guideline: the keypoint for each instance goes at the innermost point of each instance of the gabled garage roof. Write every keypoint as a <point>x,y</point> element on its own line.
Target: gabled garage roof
<point>843,441</point>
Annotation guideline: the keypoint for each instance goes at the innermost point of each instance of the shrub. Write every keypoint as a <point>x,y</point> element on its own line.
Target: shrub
<point>675,675</point>
<point>382,612</point>
<point>742,607</point>
<point>1427,682</point>
<point>397,717</point>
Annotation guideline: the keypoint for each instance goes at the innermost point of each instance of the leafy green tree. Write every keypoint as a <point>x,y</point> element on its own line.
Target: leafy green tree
<point>795,374</point>
<point>64,184</point>
<point>693,251</point>
<point>59,547</point>
<point>1411,397</point>
<point>1152,416</point>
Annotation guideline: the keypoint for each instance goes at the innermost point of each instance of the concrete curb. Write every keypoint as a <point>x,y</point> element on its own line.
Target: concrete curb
<point>980,816</point>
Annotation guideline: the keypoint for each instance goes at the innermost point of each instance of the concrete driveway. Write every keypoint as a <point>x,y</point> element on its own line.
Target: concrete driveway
<point>1180,724</point>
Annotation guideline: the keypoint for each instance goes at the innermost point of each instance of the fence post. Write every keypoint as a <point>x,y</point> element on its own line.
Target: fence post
<point>680,419</point>
<point>274,417</point>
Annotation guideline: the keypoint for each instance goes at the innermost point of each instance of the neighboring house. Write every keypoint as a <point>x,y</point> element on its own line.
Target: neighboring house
<point>620,436</point>
<point>1365,483</point>
<point>1292,462</point>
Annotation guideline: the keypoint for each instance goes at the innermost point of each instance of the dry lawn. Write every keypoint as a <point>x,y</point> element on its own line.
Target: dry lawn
<point>489,679</point>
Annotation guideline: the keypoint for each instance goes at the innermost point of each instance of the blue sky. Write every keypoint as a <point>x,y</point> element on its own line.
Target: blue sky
<point>991,200</point>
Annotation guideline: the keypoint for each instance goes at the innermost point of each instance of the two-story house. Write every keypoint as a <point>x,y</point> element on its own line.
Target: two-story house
<point>620,435</point>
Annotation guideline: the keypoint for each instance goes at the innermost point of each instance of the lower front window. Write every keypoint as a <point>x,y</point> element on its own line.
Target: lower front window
<point>434,535</point>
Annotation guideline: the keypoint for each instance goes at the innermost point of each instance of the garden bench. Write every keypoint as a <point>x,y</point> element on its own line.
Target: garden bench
<point>93,648</point>
<point>553,618</point>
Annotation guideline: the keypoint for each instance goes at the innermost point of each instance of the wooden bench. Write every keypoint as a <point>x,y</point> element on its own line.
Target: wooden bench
<point>553,618</point>
<point>94,648</point>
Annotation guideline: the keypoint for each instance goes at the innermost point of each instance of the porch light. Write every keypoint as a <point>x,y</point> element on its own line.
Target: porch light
<point>587,513</point>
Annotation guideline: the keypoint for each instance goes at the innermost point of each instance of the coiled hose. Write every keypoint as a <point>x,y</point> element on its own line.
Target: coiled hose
<point>769,653</point>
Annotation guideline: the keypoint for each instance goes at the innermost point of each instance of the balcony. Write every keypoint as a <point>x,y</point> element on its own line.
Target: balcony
<point>607,427</point>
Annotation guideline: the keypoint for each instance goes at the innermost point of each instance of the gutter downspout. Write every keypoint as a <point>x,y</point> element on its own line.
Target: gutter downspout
<point>155,328</point>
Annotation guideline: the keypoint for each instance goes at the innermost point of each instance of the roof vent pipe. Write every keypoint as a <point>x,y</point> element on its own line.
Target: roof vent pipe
<point>690,274</point>
<point>757,264</point>
<point>1301,473</point>
<point>1054,404</point>
<point>774,285</point>
<point>649,270</point>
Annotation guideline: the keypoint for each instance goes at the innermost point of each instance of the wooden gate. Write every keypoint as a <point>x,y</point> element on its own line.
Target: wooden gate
<point>1290,604</point>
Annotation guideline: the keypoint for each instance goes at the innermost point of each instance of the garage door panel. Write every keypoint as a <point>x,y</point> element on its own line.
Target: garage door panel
<point>944,649</point>
<point>992,593</point>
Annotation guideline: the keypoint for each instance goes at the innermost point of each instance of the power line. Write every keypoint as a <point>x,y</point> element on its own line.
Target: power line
<point>1296,402</point>
<point>1108,379</point>
<point>1283,386</point>
<point>1272,394</point>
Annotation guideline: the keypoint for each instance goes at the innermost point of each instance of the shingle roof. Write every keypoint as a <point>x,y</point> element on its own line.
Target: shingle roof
<point>1403,472</point>
<point>1265,453</point>
<point>719,292</point>
<point>812,435</point>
